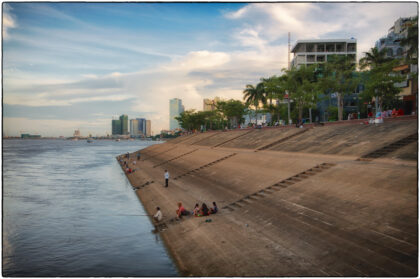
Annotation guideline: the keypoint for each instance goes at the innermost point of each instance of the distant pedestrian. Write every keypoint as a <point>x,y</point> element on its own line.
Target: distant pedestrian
<point>166,178</point>
<point>138,156</point>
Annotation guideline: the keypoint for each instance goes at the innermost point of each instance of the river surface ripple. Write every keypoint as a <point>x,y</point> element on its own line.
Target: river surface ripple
<point>68,210</point>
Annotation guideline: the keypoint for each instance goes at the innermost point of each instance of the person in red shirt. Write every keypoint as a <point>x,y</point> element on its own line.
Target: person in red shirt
<point>181,211</point>
<point>400,112</point>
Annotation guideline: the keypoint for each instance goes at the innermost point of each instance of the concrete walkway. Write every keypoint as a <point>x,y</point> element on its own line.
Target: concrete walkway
<point>285,212</point>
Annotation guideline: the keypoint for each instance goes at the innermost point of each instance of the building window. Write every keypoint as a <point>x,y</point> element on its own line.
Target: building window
<point>340,47</point>
<point>320,58</point>
<point>351,47</point>
<point>310,58</point>
<point>399,51</point>
<point>320,48</point>
<point>390,52</point>
<point>310,48</point>
<point>330,48</point>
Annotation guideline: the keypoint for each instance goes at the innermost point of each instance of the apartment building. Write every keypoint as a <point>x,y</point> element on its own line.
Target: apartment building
<point>306,52</point>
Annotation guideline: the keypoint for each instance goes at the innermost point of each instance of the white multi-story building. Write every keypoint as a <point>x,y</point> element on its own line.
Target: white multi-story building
<point>175,109</point>
<point>148,128</point>
<point>306,52</point>
<point>134,127</point>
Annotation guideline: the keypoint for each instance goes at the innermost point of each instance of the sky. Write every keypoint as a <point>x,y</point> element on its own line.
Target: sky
<point>69,66</point>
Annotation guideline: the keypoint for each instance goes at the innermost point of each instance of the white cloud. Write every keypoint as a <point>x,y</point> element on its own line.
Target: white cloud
<point>9,20</point>
<point>260,44</point>
<point>272,21</point>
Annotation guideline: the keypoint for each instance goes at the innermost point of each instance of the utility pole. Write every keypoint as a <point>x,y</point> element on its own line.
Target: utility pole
<point>288,67</point>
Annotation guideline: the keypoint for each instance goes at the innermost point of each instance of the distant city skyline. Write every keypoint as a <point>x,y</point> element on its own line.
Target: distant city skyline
<point>69,66</point>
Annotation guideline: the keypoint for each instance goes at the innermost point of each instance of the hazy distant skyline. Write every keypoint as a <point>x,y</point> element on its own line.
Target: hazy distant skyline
<point>69,66</point>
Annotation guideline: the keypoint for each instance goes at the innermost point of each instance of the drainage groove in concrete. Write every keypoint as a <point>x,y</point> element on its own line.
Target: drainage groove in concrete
<point>277,186</point>
<point>389,148</point>
<point>143,185</point>
<point>281,140</point>
<point>232,139</point>
<point>167,161</point>
<point>153,156</point>
<point>205,166</point>
<point>215,133</point>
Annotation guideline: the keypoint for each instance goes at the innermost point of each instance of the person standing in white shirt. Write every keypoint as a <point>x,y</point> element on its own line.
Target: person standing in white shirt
<point>166,178</point>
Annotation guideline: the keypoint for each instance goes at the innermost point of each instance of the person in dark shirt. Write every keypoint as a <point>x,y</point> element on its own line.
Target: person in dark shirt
<point>204,210</point>
<point>214,209</point>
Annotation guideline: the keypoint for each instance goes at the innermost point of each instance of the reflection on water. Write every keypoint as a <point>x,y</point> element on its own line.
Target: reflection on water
<point>68,210</point>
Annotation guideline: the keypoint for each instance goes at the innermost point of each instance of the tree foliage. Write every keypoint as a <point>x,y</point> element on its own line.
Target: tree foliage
<point>303,87</point>
<point>338,77</point>
<point>233,110</point>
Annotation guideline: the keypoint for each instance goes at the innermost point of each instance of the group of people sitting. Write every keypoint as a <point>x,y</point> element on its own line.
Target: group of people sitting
<point>198,211</point>
<point>181,211</point>
<point>126,166</point>
<point>387,113</point>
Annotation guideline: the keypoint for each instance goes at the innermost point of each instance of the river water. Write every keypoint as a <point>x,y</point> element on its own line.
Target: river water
<point>68,210</point>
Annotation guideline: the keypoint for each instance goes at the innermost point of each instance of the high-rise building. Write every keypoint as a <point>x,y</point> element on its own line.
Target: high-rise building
<point>175,109</point>
<point>124,124</point>
<point>116,127</point>
<point>76,133</point>
<point>306,52</point>
<point>134,127</point>
<point>148,128</point>
<point>142,126</point>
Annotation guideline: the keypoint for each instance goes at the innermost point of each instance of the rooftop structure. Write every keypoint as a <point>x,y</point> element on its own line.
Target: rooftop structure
<point>306,52</point>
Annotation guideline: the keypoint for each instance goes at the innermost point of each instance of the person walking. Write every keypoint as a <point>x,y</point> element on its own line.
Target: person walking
<point>166,178</point>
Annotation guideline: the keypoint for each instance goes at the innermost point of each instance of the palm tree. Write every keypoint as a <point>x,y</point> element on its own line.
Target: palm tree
<point>253,96</point>
<point>250,94</point>
<point>373,58</point>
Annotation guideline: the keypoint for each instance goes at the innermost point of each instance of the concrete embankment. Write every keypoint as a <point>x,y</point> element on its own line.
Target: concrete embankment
<point>337,200</point>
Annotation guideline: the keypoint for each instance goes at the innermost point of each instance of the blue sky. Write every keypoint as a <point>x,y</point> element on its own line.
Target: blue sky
<point>70,66</point>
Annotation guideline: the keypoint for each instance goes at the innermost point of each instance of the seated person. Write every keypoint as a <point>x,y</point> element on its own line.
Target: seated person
<point>181,211</point>
<point>214,209</point>
<point>196,211</point>
<point>158,216</point>
<point>204,210</point>
<point>394,112</point>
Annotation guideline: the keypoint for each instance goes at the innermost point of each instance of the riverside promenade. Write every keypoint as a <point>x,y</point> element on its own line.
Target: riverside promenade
<point>332,200</point>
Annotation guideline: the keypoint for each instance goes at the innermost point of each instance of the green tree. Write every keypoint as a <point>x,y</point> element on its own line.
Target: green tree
<point>381,83</point>
<point>381,78</point>
<point>302,85</point>
<point>274,88</point>
<point>338,77</point>
<point>253,96</point>
<point>233,110</point>
<point>373,58</point>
